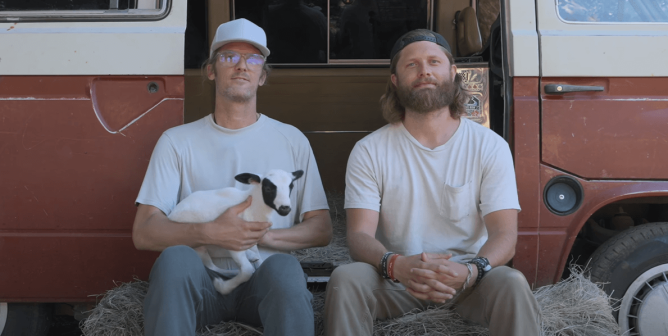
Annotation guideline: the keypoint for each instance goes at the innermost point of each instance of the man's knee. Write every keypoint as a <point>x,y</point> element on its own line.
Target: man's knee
<point>284,279</point>
<point>357,274</point>
<point>506,279</point>
<point>176,261</point>
<point>282,265</point>
<point>283,271</point>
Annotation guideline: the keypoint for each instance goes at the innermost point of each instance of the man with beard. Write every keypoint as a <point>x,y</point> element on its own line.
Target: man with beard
<point>205,155</point>
<point>432,208</point>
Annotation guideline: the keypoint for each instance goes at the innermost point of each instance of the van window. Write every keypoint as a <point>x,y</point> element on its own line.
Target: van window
<point>334,31</point>
<point>368,29</point>
<point>73,10</point>
<point>296,30</point>
<point>613,11</point>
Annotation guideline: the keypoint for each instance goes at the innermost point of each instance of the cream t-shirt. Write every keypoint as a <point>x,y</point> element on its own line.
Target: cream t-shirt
<point>432,200</point>
<point>203,156</point>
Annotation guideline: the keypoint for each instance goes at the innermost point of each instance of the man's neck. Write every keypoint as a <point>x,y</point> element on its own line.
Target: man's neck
<point>234,115</point>
<point>432,129</point>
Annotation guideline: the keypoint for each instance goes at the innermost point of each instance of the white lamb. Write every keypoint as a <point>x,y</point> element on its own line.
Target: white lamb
<point>272,192</point>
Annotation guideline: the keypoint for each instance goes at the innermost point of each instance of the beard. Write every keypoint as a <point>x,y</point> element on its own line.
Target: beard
<point>238,96</point>
<point>235,93</point>
<point>429,99</point>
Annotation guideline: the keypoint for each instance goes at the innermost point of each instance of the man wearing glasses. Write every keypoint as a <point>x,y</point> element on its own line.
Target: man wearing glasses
<point>207,154</point>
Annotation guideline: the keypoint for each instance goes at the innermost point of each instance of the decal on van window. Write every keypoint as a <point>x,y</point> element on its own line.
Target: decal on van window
<point>74,10</point>
<point>475,83</point>
<point>613,11</point>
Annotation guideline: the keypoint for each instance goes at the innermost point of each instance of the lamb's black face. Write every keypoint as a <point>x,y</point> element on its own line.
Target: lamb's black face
<point>269,192</point>
<point>276,189</point>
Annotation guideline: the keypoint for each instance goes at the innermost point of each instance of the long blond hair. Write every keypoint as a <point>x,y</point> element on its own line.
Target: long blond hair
<point>391,106</point>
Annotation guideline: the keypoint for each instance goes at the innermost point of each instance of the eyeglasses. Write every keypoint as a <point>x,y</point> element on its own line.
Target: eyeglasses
<point>231,58</point>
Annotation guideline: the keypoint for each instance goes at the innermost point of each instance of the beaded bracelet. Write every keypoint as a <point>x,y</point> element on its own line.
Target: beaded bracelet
<point>390,267</point>
<point>382,267</point>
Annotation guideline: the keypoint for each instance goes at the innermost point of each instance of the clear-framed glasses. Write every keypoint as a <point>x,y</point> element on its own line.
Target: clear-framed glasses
<point>230,58</point>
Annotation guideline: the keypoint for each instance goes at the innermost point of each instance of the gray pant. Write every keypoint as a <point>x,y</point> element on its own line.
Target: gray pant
<point>357,295</point>
<point>181,297</point>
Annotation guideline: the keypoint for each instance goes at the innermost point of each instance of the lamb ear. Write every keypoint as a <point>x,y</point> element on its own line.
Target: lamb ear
<point>247,178</point>
<point>297,174</point>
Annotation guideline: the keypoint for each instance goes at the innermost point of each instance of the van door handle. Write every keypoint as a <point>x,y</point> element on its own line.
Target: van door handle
<point>563,88</point>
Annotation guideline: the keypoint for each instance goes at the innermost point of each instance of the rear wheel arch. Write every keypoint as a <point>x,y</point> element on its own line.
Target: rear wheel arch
<point>621,197</point>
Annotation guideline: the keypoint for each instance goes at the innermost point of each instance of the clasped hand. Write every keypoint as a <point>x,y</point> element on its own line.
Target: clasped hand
<point>430,276</point>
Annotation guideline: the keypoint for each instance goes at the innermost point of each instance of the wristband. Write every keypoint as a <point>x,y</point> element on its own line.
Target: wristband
<point>468,277</point>
<point>480,273</point>
<point>390,267</point>
<point>382,267</point>
<point>483,267</point>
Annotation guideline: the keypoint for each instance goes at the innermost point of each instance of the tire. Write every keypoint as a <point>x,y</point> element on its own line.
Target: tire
<point>633,266</point>
<point>27,319</point>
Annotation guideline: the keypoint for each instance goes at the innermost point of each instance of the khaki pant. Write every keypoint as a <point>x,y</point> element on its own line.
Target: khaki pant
<point>357,295</point>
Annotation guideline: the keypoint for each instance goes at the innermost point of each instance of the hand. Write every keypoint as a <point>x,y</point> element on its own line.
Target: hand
<point>231,232</point>
<point>267,240</point>
<point>457,282</point>
<point>422,287</point>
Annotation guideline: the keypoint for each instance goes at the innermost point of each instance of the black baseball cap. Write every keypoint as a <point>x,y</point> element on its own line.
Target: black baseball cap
<point>418,35</point>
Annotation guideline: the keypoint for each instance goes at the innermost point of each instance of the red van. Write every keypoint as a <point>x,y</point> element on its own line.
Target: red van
<point>577,87</point>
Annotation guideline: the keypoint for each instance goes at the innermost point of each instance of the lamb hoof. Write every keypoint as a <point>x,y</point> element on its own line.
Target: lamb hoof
<point>222,286</point>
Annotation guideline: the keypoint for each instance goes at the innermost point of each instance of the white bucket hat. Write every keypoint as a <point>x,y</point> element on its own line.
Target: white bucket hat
<point>240,30</point>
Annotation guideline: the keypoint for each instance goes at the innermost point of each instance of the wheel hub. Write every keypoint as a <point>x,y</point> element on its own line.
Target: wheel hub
<point>644,305</point>
<point>3,315</point>
<point>652,313</point>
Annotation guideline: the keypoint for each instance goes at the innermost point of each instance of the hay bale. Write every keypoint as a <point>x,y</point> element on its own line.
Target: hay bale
<point>573,307</point>
<point>433,321</point>
<point>337,250</point>
<point>576,306</point>
<point>119,313</point>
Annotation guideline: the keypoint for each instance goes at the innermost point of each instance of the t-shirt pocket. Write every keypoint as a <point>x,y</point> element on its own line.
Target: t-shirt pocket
<point>456,202</point>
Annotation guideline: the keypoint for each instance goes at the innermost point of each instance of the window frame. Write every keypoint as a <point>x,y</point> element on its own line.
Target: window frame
<point>109,15</point>
<point>556,8</point>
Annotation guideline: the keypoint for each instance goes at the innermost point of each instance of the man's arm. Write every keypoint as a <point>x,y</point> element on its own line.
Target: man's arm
<point>152,230</point>
<point>362,226</point>
<point>361,234</point>
<point>501,237</point>
<point>499,249</point>
<point>315,230</point>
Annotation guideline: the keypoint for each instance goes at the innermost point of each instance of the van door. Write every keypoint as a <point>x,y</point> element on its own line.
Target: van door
<point>86,89</point>
<point>603,87</point>
<point>604,131</point>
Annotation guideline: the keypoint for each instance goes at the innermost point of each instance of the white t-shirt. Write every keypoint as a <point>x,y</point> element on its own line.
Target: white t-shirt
<point>203,156</point>
<point>432,200</point>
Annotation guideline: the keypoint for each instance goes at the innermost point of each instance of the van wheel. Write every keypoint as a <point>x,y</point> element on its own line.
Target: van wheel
<point>26,319</point>
<point>633,266</point>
